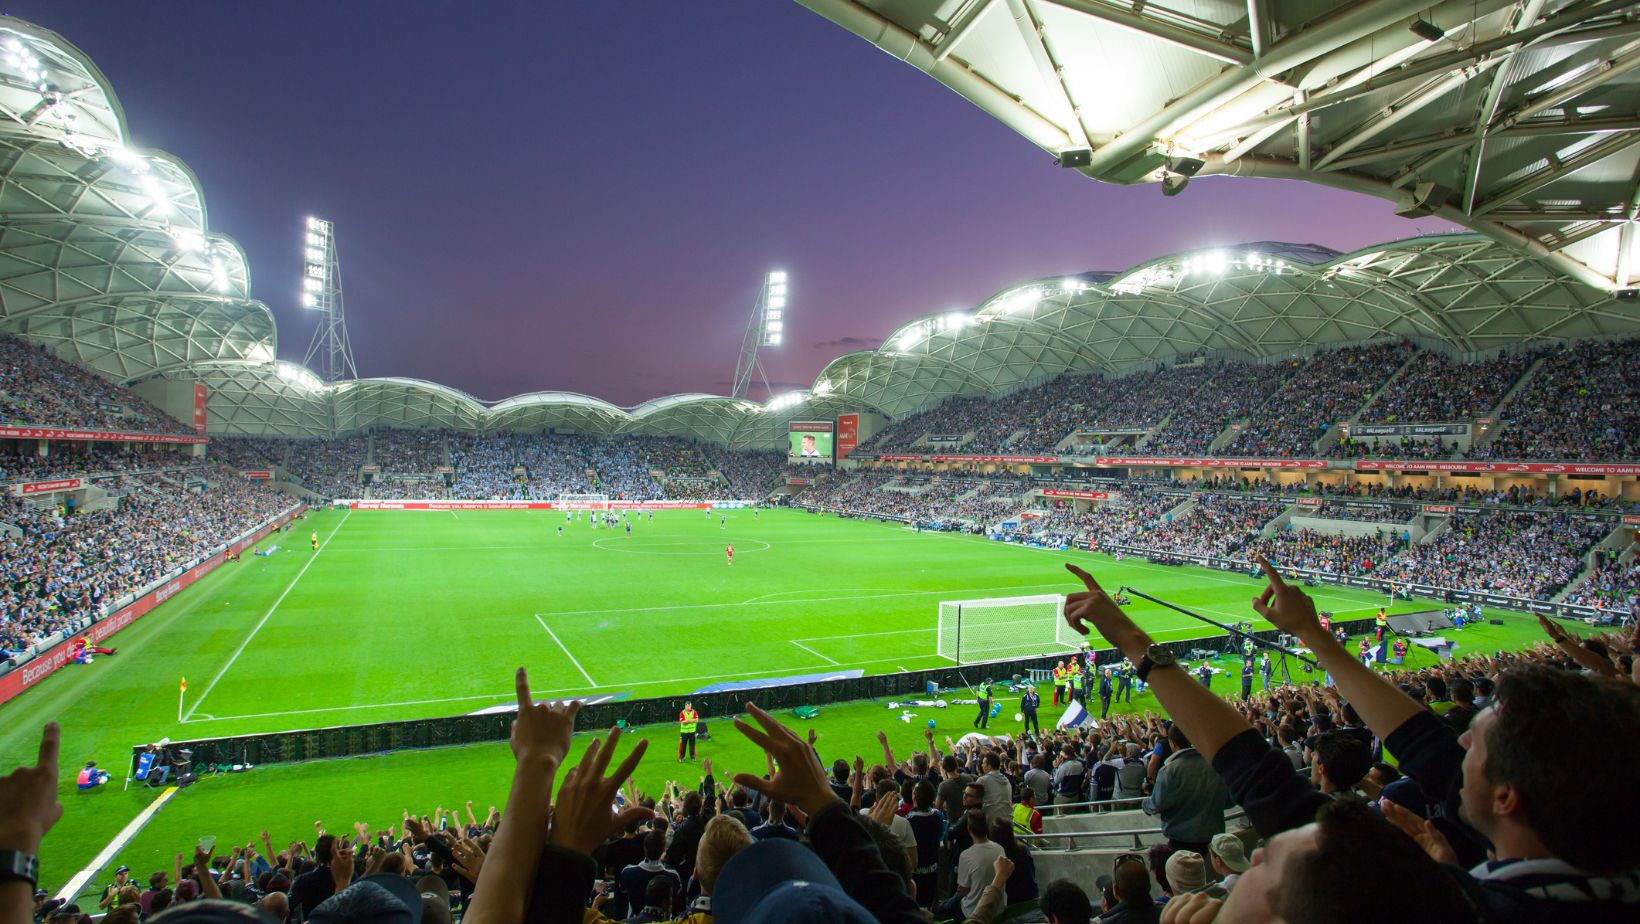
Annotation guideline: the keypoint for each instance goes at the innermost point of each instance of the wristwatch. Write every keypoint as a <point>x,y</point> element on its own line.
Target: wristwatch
<point>1155,656</point>
<point>18,866</point>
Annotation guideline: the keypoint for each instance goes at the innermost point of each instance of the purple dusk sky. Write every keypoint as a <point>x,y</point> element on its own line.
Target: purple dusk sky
<point>583,196</point>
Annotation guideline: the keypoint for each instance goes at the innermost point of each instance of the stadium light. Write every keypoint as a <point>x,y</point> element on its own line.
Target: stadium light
<point>766,328</point>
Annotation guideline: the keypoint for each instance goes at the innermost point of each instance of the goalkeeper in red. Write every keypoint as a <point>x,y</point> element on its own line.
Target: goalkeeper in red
<point>687,720</point>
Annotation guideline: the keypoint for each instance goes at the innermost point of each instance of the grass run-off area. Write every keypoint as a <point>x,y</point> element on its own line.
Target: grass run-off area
<point>413,614</point>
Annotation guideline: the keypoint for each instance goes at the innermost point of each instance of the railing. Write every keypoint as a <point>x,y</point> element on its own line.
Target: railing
<point>1135,833</point>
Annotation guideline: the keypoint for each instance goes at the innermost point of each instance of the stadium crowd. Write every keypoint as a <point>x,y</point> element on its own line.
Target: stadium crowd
<point>1287,406</point>
<point>62,569</point>
<point>38,389</point>
<point>1476,818</point>
<point>1519,554</point>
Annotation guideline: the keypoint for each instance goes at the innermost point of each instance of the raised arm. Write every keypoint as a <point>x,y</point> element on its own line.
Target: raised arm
<point>1379,703</point>
<point>888,751</point>
<point>1207,720</point>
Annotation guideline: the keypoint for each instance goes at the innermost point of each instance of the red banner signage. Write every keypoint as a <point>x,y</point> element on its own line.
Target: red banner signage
<point>108,436</point>
<point>63,652</point>
<point>798,482</point>
<point>993,458</point>
<point>1309,502</point>
<point>1630,519</point>
<point>887,458</point>
<point>47,487</point>
<point>524,505</point>
<point>1440,508</point>
<point>1500,468</point>
<point>1079,495</point>
<point>1213,463</point>
<point>848,434</point>
<point>202,396</point>
<point>258,474</point>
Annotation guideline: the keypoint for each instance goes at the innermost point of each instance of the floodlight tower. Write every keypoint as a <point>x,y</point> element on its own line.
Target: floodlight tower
<point>767,327</point>
<point>322,291</point>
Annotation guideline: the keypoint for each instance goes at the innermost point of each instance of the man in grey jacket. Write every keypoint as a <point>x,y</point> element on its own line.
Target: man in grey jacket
<point>1189,796</point>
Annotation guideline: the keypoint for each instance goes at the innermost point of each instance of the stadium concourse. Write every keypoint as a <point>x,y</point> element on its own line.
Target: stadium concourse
<point>1443,427</point>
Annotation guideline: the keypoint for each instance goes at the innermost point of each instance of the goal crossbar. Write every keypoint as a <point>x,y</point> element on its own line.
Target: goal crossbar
<point>995,628</point>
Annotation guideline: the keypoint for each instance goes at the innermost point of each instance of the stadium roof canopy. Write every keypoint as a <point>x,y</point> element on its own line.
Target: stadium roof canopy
<point>1516,118</point>
<point>106,256</point>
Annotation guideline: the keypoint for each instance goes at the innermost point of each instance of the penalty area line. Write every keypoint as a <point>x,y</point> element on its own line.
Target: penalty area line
<point>266,616</point>
<point>813,652</point>
<point>565,649</point>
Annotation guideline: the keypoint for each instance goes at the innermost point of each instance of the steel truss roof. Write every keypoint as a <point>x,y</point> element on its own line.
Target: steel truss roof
<point>105,254</point>
<point>1520,121</point>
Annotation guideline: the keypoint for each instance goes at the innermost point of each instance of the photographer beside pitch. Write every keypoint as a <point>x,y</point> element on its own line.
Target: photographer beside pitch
<point>1526,776</point>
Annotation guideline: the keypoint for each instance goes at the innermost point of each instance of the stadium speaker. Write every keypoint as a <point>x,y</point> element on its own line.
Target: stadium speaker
<point>1185,166</point>
<point>701,732</point>
<point>1628,295</point>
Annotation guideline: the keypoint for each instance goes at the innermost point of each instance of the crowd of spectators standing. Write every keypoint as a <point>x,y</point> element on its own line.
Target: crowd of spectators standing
<point>1612,583</point>
<point>40,389</point>
<point>1331,387</point>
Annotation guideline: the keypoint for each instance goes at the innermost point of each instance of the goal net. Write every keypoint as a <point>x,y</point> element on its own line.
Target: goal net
<point>583,501</point>
<point>971,631</point>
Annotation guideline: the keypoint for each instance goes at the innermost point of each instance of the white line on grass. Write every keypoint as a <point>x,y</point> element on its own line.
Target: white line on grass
<point>116,845</point>
<point>813,652</point>
<point>565,649</point>
<point>266,616</point>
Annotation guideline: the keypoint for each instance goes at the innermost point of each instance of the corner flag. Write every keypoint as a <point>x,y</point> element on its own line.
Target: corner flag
<point>181,691</point>
<point>184,685</point>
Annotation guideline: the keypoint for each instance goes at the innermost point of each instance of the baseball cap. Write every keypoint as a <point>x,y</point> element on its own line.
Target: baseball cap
<point>380,899</point>
<point>781,880</point>
<point>1230,851</point>
<point>123,869</point>
<point>1186,872</point>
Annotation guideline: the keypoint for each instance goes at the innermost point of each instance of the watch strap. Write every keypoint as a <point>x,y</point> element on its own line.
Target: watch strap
<point>16,865</point>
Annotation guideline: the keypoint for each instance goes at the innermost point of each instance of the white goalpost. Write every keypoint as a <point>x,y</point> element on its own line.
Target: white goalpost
<point>583,502</point>
<point>971,631</point>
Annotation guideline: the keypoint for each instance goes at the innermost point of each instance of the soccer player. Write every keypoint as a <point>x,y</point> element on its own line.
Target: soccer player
<point>754,512</point>
<point>560,532</point>
<point>629,529</point>
<point>315,540</point>
<point>730,551</point>
<point>724,523</point>
<point>687,720</point>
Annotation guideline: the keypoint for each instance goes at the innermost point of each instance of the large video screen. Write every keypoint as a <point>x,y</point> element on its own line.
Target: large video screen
<point>810,441</point>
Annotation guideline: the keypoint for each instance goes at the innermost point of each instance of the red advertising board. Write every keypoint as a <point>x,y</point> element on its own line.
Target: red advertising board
<point>63,652</point>
<point>1630,519</point>
<point>1212,463</point>
<point>994,458</point>
<point>522,505</point>
<point>202,395</point>
<point>889,458</point>
<point>110,436</point>
<point>1079,495</point>
<point>848,434</point>
<point>263,474</point>
<point>1440,508</point>
<point>1500,468</point>
<point>1309,502</point>
<point>47,487</point>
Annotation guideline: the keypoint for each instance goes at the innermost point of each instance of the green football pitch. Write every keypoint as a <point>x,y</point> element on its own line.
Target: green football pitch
<point>409,614</point>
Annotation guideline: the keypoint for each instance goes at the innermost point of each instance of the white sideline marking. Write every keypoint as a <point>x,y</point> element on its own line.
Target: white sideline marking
<point>266,616</point>
<point>813,652</point>
<point>565,649</point>
<point>453,513</point>
<point>127,833</point>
